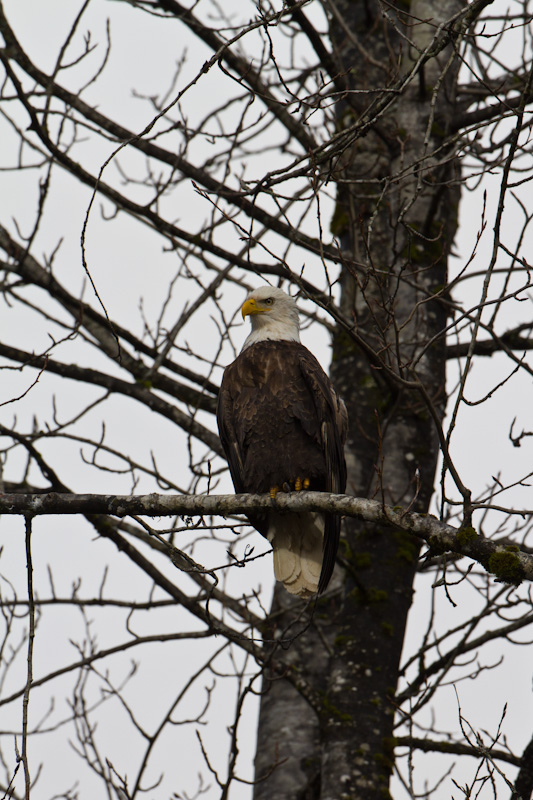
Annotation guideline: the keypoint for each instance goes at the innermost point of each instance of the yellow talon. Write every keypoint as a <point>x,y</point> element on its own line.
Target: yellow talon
<point>298,485</point>
<point>273,492</point>
<point>307,483</point>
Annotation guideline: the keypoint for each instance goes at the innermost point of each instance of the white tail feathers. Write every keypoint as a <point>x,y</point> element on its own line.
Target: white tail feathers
<point>297,541</point>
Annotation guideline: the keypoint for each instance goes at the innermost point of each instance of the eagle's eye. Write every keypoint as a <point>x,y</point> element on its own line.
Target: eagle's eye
<point>269,301</point>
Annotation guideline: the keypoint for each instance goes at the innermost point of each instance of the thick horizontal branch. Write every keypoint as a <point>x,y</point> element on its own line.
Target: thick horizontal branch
<point>512,340</point>
<point>435,746</point>
<point>507,562</point>
<point>489,113</point>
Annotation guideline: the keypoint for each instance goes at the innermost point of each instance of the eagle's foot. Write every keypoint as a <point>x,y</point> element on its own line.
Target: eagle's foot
<point>286,486</point>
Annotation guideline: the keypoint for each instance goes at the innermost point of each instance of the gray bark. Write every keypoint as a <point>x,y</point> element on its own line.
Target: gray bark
<point>397,215</point>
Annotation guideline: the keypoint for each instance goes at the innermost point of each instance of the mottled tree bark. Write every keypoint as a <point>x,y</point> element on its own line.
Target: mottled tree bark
<point>396,215</point>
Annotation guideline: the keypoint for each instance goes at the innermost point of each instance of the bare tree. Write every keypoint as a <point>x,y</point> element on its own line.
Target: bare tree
<point>325,146</point>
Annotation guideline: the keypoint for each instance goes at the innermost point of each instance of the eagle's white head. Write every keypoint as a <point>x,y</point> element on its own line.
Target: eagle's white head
<point>273,314</point>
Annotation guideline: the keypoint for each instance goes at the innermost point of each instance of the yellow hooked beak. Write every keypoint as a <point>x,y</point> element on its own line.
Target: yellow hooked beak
<point>250,307</point>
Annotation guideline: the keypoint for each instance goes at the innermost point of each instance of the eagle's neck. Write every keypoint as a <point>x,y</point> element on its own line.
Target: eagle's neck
<point>270,329</point>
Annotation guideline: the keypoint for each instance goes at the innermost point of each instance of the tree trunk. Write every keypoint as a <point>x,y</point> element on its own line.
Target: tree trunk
<point>396,216</point>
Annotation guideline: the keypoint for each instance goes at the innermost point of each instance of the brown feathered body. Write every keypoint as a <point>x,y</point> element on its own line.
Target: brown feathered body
<point>279,420</point>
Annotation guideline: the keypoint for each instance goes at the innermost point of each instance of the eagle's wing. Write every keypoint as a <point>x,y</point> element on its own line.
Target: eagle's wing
<point>228,434</point>
<point>333,419</point>
<point>233,446</point>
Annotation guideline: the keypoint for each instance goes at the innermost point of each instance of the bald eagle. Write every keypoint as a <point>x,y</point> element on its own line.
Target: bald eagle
<point>283,428</point>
